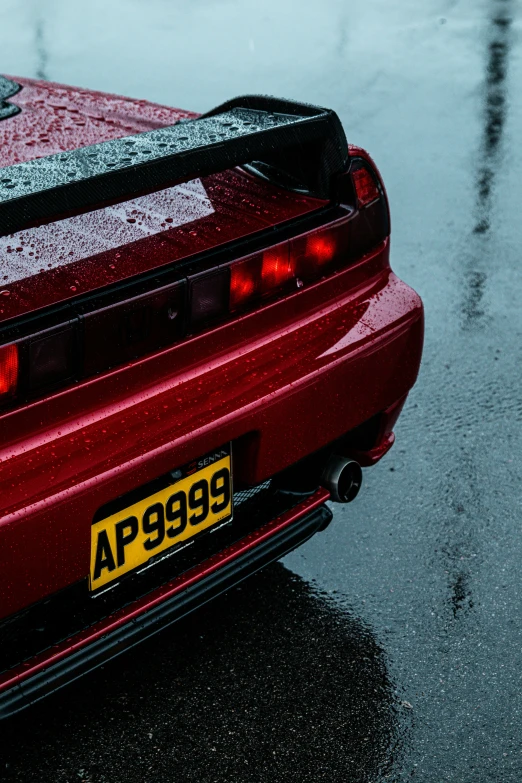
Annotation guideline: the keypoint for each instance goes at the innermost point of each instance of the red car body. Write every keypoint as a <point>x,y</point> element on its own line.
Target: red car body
<point>324,367</point>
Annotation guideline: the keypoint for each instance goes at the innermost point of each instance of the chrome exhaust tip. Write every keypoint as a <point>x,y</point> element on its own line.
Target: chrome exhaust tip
<point>343,478</point>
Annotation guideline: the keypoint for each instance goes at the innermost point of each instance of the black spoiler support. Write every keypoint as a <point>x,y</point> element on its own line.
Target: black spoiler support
<point>306,143</point>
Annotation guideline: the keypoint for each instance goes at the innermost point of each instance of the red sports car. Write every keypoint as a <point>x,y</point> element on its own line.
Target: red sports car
<point>201,342</point>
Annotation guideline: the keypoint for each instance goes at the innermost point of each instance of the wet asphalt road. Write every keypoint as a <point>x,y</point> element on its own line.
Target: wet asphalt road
<point>390,646</point>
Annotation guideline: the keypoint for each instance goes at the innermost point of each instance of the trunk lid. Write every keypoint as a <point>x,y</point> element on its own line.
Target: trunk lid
<point>59,261</point>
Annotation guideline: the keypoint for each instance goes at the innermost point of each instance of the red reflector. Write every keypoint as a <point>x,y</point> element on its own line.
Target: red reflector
<point>278,268</point>
<point>8,370</point>
<point>365,187</point>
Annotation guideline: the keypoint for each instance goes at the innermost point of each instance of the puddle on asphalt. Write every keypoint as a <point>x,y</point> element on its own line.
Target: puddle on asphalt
<point>271,682</point>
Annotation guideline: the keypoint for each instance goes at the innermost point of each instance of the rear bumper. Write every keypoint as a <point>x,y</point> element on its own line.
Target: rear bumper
<point>279,383</point>
<point>65,662</point>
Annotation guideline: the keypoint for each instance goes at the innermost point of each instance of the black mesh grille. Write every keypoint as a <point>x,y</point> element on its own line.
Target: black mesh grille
<point>253,492</point>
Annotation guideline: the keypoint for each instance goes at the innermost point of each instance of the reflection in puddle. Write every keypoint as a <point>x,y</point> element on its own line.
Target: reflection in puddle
<point>269,683</point>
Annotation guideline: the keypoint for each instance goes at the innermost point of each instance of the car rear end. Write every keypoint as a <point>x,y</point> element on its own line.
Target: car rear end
<point>177,370</point>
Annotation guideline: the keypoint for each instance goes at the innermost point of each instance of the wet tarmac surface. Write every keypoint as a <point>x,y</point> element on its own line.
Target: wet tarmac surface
<point>390,646</point>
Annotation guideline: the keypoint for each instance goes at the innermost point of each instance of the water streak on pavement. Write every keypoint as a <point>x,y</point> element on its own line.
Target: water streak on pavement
<point>390,646</point>
<point>489,158</point>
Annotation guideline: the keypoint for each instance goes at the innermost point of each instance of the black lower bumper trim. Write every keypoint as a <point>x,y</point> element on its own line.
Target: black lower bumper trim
<point>57,675</point>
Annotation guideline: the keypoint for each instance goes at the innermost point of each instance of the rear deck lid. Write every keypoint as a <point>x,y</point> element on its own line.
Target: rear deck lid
<point>59,260</point>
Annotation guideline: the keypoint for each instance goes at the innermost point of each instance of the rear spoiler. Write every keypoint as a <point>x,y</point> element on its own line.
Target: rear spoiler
<point>306,143</point>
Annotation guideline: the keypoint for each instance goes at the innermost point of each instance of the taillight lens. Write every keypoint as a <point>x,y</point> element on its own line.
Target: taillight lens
<point>287,266</point>
<point>98,340</point>
<point>321,247</point>
<point>261,275</point>
<point>8,371</point>
<point>371,223</point>
<point>127,330</point>
<point>320,251</point>
<point>277,269</point>
<point>51,358</point>
<point>245,281</point>
<point>310,256</point>
<point>366,188</point>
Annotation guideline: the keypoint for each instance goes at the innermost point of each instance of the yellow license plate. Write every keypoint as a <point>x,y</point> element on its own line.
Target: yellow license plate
<point>140,532</point>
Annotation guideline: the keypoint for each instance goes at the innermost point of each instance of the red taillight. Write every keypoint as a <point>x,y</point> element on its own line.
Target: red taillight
<point>8,370</point>
<point>277,268</point>
<point>288,265</point>
<point>261,275</point>
<point>245,281</point>
<point>366,187</point>
<point>316,253</point>
<point>94,341</point>
<point>321,247</point>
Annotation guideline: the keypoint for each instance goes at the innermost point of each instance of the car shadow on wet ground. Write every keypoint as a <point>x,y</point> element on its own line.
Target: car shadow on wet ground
<point>272,681</point>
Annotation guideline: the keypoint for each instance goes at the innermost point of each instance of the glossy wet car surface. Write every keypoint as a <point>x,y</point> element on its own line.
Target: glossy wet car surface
<point>422,571</point>
<point>186,364</point>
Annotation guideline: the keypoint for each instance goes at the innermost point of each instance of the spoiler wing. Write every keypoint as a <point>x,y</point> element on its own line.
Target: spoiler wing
<point>306,143</point>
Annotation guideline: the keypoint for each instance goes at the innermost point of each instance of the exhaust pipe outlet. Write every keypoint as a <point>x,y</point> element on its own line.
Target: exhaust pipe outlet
<point>343,478</point>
